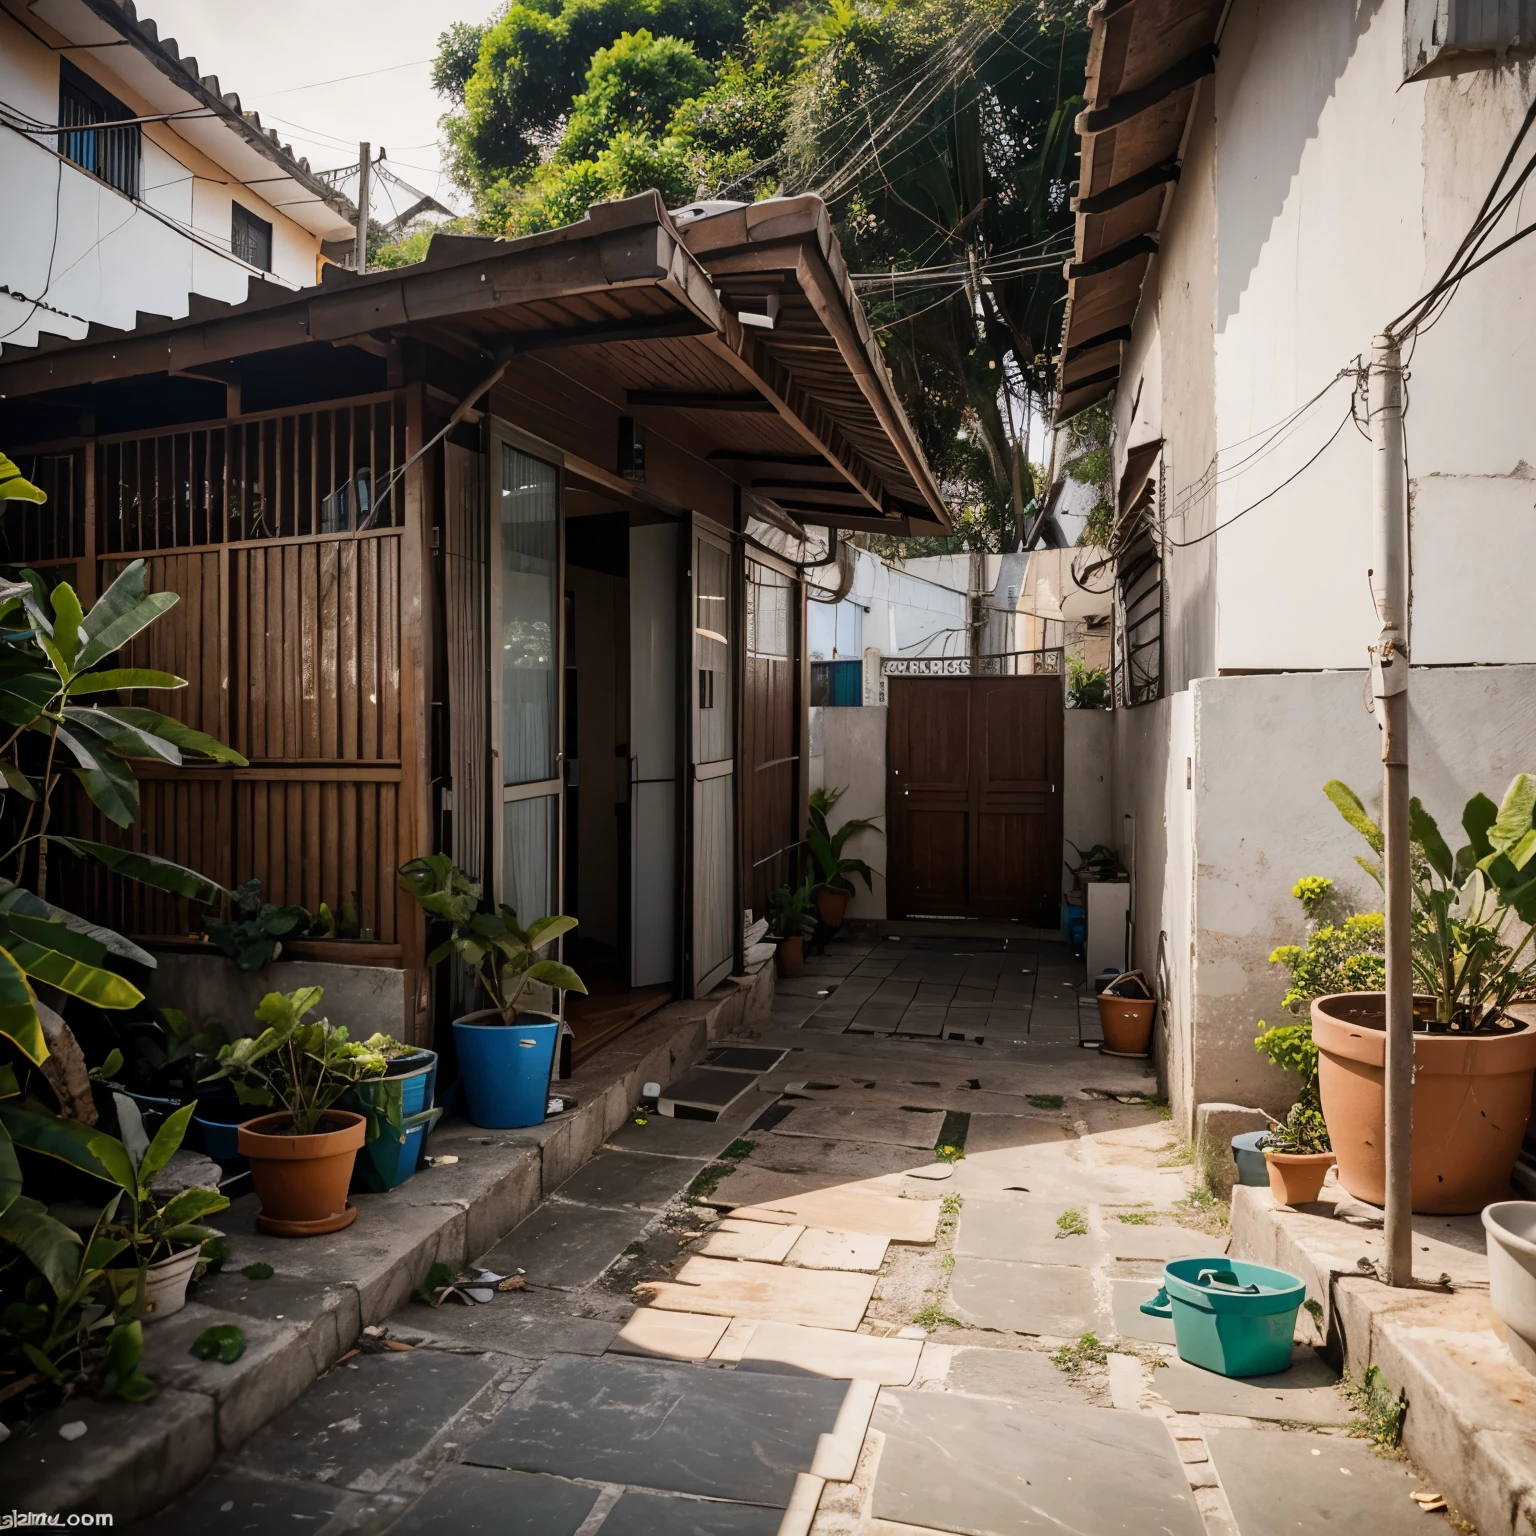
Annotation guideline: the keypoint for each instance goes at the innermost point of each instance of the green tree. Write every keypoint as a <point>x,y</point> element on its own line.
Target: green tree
<point>633,87</point>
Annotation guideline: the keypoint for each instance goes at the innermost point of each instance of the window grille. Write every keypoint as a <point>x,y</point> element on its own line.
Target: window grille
<point>113,154</point>
<point>250,238</point>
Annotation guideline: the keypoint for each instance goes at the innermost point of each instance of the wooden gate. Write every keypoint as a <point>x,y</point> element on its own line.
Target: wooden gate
<point>973,793</point>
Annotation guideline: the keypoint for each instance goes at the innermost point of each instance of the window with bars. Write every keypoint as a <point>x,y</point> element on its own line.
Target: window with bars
<point>250,238</point>
<point>112,153</point>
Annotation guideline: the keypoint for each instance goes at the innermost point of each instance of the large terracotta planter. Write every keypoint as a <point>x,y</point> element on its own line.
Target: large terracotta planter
<point>1295,1178</point>
<point>1127,1024</point>
<point>1471,1101</point>
<point>789,957</point>
<point>302,1181</point>
<point>832,907</point>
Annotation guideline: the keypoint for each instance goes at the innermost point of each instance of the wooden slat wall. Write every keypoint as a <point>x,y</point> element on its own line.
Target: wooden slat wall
<point>292,648</point>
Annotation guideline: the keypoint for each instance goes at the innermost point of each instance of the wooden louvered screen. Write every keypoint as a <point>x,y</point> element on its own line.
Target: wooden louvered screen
<point>286,537</point>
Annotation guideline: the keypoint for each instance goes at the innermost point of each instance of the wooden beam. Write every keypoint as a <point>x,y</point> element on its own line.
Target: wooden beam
<point>1115,256</point>
<point>1132,187</point>
<point>746,456</point>
<point>700,400</point>
<point>1119,109</point>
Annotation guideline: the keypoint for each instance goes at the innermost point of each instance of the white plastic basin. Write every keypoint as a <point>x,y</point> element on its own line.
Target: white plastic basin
<point>1511,1229</point>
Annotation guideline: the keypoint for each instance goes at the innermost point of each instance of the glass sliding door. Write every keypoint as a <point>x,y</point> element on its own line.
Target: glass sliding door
<point>525,681</point>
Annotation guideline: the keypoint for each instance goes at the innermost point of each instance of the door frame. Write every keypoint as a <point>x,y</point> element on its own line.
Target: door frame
<point>500,434</point>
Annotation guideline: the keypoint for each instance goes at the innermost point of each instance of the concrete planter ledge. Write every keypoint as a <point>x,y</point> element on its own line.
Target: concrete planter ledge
<point>1471,1411</point>
<point>325,1290</point>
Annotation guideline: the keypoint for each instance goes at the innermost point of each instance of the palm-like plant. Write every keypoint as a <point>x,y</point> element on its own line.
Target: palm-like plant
<point>1474,949</point>
<point>503,955</point>
<point>827,846</point>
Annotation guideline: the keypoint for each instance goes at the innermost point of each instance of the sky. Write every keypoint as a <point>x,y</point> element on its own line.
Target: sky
<point>289,59</point>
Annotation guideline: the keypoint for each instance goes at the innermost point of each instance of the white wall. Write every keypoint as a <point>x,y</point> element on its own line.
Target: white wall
<point>848,753</point>
<point>1264,747</point>
<point>113,259</point>
<point>1088,772</point>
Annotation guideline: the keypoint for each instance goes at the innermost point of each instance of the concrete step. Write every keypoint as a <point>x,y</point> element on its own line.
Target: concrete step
<point>325,1290</point>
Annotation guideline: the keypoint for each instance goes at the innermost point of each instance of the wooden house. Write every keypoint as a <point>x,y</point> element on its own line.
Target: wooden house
<point>487,555</point>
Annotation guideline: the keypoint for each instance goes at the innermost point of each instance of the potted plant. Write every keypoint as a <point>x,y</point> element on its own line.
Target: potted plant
<point>301,1155</point>
<point>790,922</point>
<point>1473,1062</point>
<point>506,1056</point>
<point>163,1238</point>
<point>1298,1153</point>
<point>834,887</point>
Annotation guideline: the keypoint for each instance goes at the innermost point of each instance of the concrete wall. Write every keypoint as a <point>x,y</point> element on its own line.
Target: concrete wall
<point>1263,749</point>
<point>366,998</point>
<point>848,753</point>
<point>1087,791</point>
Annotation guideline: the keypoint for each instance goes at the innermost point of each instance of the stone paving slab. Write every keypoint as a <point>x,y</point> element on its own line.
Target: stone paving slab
<point>761,1240</point>
<point>1159,1244</point>
<point>526,1324</point>
<point>565,1246</point>
<point>993,1133</point>
<point>1020,1227</point>
<point>981,1468</point>
<point>817,1248</point>
<point>863,1207</point>
<point>1017,1375</point>
<point>658,1334</point>
<point>655,1514</point>
<point>1058,1300</point>
<point>484,1501</point>
<point>237,1503</point>
<point>769,1292</point>
<point>823,1352</point>
<point>673,1428</point>
<point>1126,1297</point>
<point>620,1179</point>
<point>1305,1394</point>
<point>357,1426</point>
<point>1292,1484</point>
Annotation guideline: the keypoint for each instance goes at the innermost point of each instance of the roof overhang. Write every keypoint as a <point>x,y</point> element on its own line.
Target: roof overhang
<point>130,47</point>
<point>1146,59</point>
<point>804,419</point>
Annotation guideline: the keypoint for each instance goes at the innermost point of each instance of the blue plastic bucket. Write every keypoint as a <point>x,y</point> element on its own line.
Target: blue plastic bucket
<point>505,1068</point>
<point>389,1158</point>
<point>1229,1316</point>
<point>222,1141</point>
<point>1249,1156</point>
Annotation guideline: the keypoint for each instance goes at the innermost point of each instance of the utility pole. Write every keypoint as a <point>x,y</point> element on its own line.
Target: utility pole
<point>364,197</point>
<point>1389,685</point>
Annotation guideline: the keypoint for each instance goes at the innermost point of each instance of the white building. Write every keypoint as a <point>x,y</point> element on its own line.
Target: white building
<point>1262,189</point>
<point>184,195</point>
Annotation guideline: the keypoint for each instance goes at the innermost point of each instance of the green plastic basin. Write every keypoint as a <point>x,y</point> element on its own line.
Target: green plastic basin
<point>1229,1316</point>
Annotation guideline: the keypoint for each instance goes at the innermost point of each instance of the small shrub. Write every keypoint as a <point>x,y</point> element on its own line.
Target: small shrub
<point>1071,1224</point>
<point>1378,1410</point>
<point>1076,1358</point>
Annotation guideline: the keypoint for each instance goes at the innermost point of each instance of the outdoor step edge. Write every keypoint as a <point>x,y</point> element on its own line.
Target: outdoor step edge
<point>130,1475</point>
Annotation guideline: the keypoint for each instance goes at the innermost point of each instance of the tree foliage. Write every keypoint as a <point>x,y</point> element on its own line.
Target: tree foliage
<point>939,132</point>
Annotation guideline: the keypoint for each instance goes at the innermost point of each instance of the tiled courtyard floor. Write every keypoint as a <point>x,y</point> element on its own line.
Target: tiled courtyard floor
<point>830,1328</point>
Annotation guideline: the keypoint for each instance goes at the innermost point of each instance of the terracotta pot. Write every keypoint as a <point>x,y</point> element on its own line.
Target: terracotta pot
<point>1471,1101</point>
<point>165,1283</point>
<point>789,957</point>
<point>832,907</point>
<point>1127,1024</point>
<point>302,1181</point>
<point>1297,1177</point>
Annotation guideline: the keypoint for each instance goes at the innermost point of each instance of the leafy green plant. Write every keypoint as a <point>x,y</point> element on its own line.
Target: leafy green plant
<point>1379,1411</point>
<point>1472,910</point>
<point>122,1377</point>
<point>1134,1219</point>
<point>152,1230</point>
<point>165,1055</point>
<point>1302,1131</point>
<point>1087,687</point>
<point>1071,1224</point>
<point>258,1271</point>
<point>934,1316</point>
<point>791,912</point>
<point>302,1067</point>
<point>827,846</point>
<point>503,955</point>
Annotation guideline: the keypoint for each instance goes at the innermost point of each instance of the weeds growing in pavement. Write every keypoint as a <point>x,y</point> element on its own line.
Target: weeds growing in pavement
<point>934,1316</point>
<point>948,1154</point>
<point>709,1178</point>
<point>1074,1359</point>
<point>1135,1218</point>
<point>1071,1224</point>
<point>1044,1100</point>
<point>950,1206</point>
<point>1178,1154</point>
<point>1378,1410</point>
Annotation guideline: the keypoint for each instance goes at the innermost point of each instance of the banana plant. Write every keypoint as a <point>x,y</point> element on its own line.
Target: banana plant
<point>1474,949</point>
<point>503,955</point>
<point>827,846</point>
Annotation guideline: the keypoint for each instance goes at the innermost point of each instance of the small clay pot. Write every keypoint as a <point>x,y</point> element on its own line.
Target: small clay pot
<point>302,1181</point>
<point>789,957</point>
<point>1297,1177</point>
<point>165,1283</point>
<point>1127,1024</point>
<point>832,907</point>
